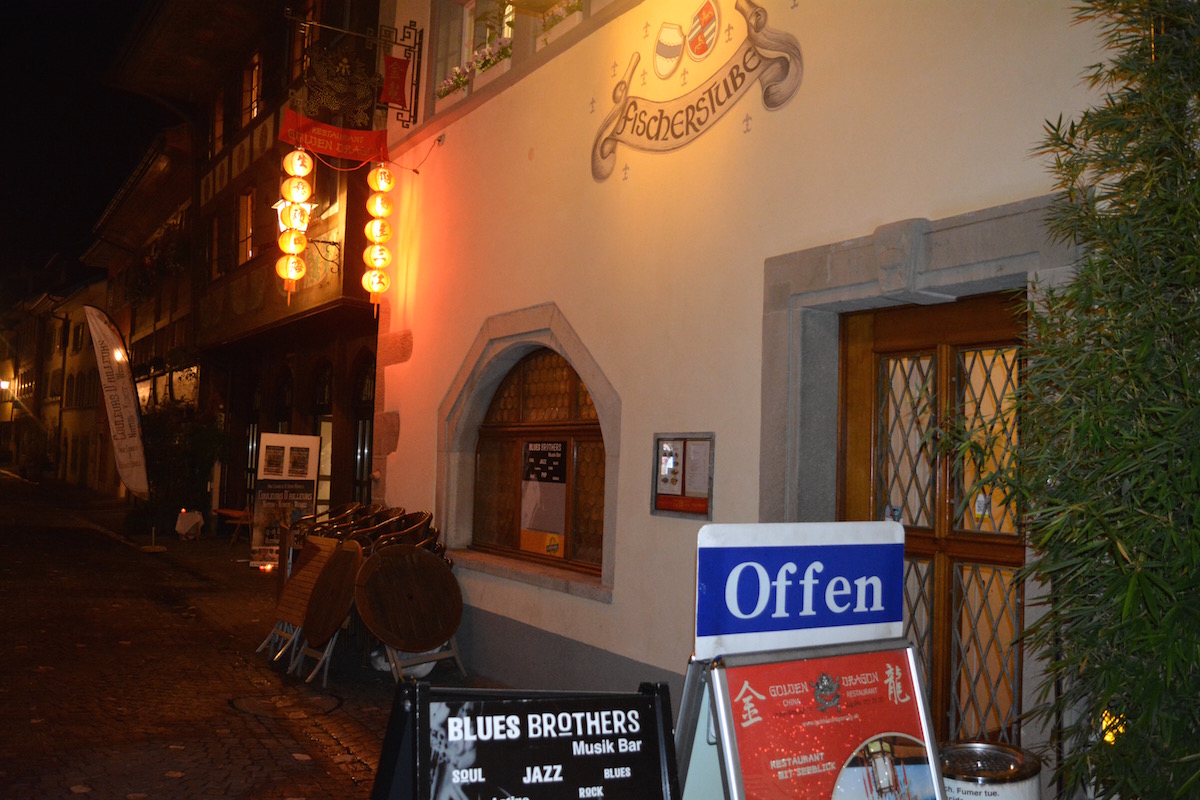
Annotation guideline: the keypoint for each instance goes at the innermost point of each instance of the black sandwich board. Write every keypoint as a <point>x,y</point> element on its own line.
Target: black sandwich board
<point>486,744</point>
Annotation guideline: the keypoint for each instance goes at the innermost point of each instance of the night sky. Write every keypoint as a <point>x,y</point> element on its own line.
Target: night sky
<point>71,141</point>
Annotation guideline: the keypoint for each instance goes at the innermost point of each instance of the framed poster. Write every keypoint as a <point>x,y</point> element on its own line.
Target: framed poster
<point>285,489</point>
<point>683,475</point>
<point>836,723</point>
<point>544,498</point>
<point>481,744</point>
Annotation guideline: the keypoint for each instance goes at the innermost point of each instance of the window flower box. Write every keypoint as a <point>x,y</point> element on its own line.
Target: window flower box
<point>444,102</point>
<point>484,77</point>
<point>452,89</point>
<point>558,20</point>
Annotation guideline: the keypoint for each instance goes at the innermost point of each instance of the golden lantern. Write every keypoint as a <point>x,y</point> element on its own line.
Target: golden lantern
<point>376,256</point>
<point>381,179</point>
<point>298,163</point>
<point>379,205</point>
<point>295,190</point>
<point>290,268</point>
<point>293,242</point>
<point>294,215</point>
<point>376,281</point>
<point>378,230</point>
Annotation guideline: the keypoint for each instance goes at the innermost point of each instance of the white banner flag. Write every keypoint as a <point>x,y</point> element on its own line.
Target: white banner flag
<point>120,400</point>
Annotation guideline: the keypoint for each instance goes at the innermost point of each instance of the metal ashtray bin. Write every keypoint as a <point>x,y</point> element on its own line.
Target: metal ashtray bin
<point>989,770</point>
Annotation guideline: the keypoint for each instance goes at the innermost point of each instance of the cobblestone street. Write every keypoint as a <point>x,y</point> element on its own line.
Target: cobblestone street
<point>133,674</point>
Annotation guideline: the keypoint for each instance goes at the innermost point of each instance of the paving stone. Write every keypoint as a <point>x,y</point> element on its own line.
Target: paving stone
<point>135,675</point>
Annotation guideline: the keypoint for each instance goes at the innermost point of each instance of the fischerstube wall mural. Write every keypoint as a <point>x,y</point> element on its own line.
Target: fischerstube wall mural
<point>765,57</point>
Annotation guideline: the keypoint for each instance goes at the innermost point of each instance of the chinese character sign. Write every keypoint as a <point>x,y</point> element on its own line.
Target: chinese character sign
<point>848,726</point>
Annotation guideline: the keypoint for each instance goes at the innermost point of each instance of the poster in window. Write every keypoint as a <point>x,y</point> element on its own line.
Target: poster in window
<point>544,498</point>
<point>683,474</point>
<point>850,726</point>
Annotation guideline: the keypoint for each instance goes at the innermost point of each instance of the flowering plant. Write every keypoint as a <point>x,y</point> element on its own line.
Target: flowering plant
<point>492,54</point>
<point>482,60</point>
<point>560,11</point>
<point>458,78</point>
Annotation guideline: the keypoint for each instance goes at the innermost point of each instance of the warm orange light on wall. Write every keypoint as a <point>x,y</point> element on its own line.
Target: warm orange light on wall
<point>378,231</point>
<point>298,163</point>
<point>381,179</point>
<point>379,205</point>
<point>295,190</point>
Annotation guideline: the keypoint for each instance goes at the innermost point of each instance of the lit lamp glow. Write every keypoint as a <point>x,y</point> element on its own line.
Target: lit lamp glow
<point>377,282</point>
<point>295,190</point>
<point>883,765</point>
<point>1111,726</point>
<point>292,241</point>
<point>378,230</point>
<point>290,269</point>
<point>381,179</point>
<point>294,215</point>
<point>298,163</point>
<point>376,256</point>
<point>379,205</point>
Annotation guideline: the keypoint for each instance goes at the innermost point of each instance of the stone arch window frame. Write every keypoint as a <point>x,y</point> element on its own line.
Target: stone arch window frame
<point>503,340</point>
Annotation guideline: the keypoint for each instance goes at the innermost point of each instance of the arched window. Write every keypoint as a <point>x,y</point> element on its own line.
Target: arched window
<point>540,467</point>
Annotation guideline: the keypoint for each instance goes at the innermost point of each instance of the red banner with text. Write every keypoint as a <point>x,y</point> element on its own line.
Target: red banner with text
<point>330,140</point>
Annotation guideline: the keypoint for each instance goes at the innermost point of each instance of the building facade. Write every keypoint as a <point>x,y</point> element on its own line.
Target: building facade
<point>794,231</point>
<point>190,246</point>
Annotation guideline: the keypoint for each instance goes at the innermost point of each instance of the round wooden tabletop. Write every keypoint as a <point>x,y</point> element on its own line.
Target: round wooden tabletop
<point>408,598</point>
<point>332,594</point>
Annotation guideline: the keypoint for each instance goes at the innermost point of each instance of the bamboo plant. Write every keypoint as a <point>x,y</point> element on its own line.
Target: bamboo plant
<point>1109,456</point>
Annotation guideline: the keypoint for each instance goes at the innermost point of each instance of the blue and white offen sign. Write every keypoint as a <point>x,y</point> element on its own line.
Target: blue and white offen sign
<point>784,585</point>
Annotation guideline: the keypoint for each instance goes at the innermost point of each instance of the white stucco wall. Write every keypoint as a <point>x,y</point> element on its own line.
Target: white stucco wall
<point>915,109</point>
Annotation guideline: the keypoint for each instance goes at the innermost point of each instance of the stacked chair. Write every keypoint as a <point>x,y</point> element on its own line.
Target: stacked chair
<point>385,566</point>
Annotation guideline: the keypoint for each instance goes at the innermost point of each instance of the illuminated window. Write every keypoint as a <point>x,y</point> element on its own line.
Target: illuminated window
<point>252,90</point>
<point>245,220</point>
<point>540,465</point>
